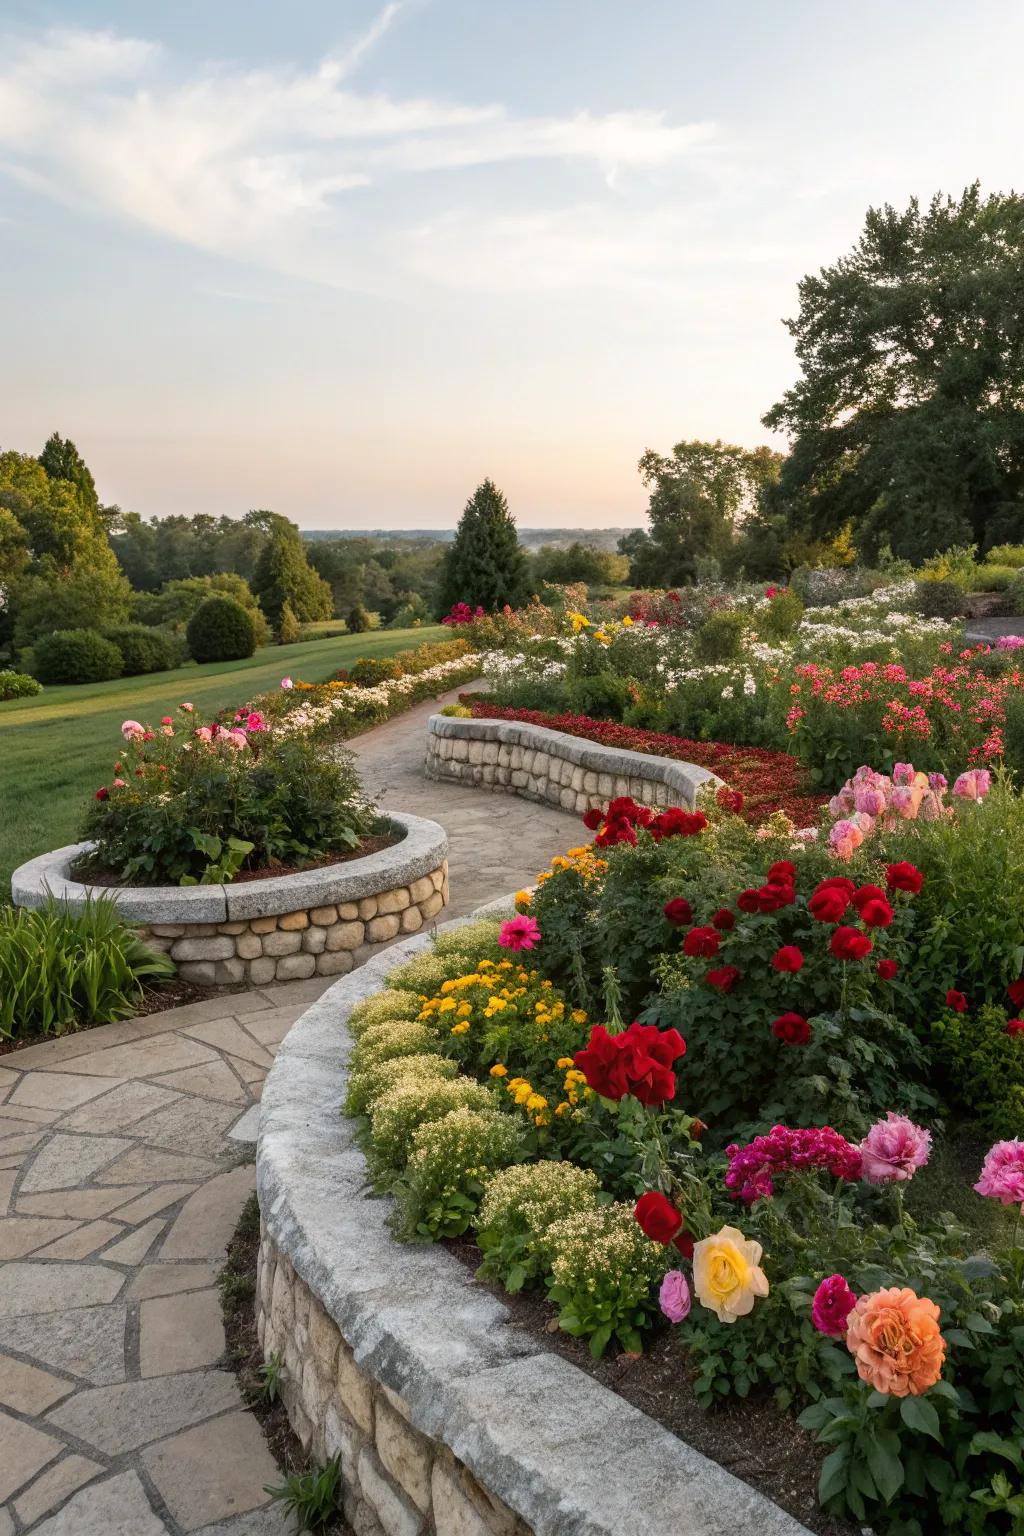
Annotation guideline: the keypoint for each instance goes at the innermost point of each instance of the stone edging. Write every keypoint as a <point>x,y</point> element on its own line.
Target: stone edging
<point>447,1418</point>
<point>554,767</point>
<point>316,922</point>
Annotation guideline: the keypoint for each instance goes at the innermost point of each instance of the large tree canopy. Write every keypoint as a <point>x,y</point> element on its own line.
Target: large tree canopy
<point>484,565</point>
<point>908,420</point>
<point>700,495</point>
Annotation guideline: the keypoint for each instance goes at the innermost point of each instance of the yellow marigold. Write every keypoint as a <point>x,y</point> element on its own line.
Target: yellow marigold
<point>498,1070</point>
<point>563,1108</point>
<point>536,1101</point>
<point>563,1062</point>
<point>893,1336</point>
<point>464,1010</point>
<point>485,965</point>
<point>727,1275</point>
<point>627,621</point>
<point>540,1119</point>
<point>446,1005</point>
<point>523,1094</point>
<point>523,899</point>
<point>560,862</point>
<point>579,1016</point>
<point>460,1029</point>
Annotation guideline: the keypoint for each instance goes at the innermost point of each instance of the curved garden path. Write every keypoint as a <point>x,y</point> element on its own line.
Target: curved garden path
<point>124,1166</point>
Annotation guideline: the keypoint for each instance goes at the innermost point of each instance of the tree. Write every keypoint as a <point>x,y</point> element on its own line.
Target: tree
<point>62,461</point>
<point>580,562</point>
<point>484,565</point>
<point>700,495</point>
<point>284,576</point>
<point>907,421</point>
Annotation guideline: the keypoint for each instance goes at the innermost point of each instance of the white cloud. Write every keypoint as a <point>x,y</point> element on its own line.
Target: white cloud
<point>256,164</point>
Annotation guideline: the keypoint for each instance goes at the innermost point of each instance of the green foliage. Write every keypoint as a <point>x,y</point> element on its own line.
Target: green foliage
<point>781,619</point>
<point>289,630</point>
<point>406,1105</point>
<point>518,1208</point>
<point>940,599</point>
<point>144,649</point>
<point>221,630</point>
<point>924,457</point>
<point>387,1040</point>
<point>62,461</point>
<point>358,621</point>
<point>177,601</point>
<point>449,1166</point>
<point>368,671</point>
<point>17,685</point>
<point>62,970</point>
<point>196,815</point>
<point>314,1498</point>
<point>271,1374</point>
<point>983,1068</point>
<point>92,595</point>
<point>381,1008</point>
<point>1006,554</point>
<point>283,578</point>
<point>484,565</point>
<point>603,1271</point>
<point>76,656</point>
<point>720,637</point>
<point>580,562</point>
<point>369,1081</point>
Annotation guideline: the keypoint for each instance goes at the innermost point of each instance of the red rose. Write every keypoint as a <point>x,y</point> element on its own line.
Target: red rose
<point>886,969</point>
<point>593,818</point>
<point>103,793</point>
<point>850,944</point>
<point>724,978</point>
<point>723,920</point>
<point>639,1061</point>
<point>783,869</point>
<point>678,911</point>
<point>748,901</point>
<point>773,896</point>
<point>657,1217</point>
<point>615,830</point>
<point>788,959</point>
<point>1015,1026</point>
<point>904,877</point>
<point>837,882</point>
<point>791,1029</point>
<point>877,913</point>
<point>866,893</point>
<point>730,799</point>
<point>703,942</point>
<point>677,823</point>
<point>1015,992</point>
<point>828,904</point>
<point>956,1001</point>
<point>684,1242</point>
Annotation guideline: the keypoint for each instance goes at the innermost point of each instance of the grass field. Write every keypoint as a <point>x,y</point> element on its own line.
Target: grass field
<point>56,748</point>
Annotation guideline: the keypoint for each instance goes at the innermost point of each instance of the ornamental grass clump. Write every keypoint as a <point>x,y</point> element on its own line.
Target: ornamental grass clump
<point>518,1209</point>
<point>451,1162</point>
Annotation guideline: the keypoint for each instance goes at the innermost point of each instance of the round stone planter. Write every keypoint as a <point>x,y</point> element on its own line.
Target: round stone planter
<point>554,767</point>
<point>319,922</point>
<point>449,1420</point>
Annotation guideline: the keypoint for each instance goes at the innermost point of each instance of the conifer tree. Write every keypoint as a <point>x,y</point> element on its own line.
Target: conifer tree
<point>485,565</point>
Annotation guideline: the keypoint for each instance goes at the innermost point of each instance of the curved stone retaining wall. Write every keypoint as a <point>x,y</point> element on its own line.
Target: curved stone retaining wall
<point>320,922</point>
<point>558,769</point>
<point>449,1421</point>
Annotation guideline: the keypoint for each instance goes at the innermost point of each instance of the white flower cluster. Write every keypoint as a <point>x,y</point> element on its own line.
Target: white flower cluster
<point>377,700</point>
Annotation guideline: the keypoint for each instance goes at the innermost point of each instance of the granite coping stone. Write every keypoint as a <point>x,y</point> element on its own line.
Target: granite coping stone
<point>561,1450</point>
<point>421,850</point>
<point>592,756</point>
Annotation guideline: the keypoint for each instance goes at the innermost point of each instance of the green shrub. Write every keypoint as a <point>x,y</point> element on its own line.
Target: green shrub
<point>408,1104</point>
<point>289,630</point>
<point>389,1040</point>
<point>194,804</point>
<point>518,1207</point>
<point>781,618</point>
<point>425,973</point>
<point>604,1271</point>
<point>1013,597</point>
<point>221,630</point>
<point>450,1163</point>
<point>368,671</point>
<point>76,656</point>
<point>144,649</point>
<point>720,637</point>
<point>940,599</point>
<point>1006,554</point>
<point>602,695</point>
<point>18,685</point>
<point>368,1084</point>
<point>60,970</point>
<point>456,711</point>
<point>983,1067</point>
<point>358,620</point>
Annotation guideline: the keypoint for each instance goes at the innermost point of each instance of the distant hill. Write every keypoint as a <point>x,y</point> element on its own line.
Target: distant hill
<point>531,538</point>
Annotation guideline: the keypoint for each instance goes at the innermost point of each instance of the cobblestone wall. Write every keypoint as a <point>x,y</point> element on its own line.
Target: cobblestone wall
<point>398,1482</point>
<point>316,941</point>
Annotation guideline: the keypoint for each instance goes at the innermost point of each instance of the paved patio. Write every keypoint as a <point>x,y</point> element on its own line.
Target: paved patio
<point>122,1177</point>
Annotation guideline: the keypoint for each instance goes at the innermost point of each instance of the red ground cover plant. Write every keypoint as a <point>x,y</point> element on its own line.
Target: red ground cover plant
<point>768,781</point>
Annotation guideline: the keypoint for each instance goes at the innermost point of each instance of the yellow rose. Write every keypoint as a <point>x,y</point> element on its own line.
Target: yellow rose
<point>726,1274</point>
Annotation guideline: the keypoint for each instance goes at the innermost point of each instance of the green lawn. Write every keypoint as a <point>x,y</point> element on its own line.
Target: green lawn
<point>56,748</point>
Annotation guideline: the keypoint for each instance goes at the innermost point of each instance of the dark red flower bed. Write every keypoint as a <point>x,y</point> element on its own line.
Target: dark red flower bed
<point>769,781</point>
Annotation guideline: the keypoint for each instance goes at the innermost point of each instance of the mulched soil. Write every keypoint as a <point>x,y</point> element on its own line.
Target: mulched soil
<point>769,781</point>
<point>169,994</point>
<point>751,1439</point>
<point>372,844</point>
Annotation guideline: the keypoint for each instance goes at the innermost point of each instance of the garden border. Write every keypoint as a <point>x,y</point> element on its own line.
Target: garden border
<point>447,1418</point>
<point>553,767</point>
<point>315,922</point>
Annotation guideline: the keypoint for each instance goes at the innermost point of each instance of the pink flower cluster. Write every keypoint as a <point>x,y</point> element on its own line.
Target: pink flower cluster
<point>752,1168</point>
<point>894,1149</point>
<point>462,613</point>
<point>873,801</point>
<point>1002,1173</point>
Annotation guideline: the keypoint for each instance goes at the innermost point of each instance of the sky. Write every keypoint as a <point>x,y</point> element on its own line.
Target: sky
<point>346,258</point>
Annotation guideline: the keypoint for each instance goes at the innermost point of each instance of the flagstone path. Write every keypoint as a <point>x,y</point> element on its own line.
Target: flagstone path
<point>125,1160</point>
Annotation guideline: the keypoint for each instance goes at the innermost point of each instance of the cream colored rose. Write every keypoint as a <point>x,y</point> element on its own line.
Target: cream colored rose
<point>726,1274</point>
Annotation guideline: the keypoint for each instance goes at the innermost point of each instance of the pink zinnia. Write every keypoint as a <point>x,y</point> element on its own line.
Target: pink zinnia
<point>519,933</point>
<point>1002,1173</point>
<point>894,1149</point>
<point>833,1302</point>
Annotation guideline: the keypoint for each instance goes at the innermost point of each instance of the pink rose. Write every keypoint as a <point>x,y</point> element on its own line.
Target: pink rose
<point>286,683</point>
<point>894,1149</point>
<point>131,730</point>
<point>1002,1173</point>
<point>674,1296</point>
<point>833,1302</point>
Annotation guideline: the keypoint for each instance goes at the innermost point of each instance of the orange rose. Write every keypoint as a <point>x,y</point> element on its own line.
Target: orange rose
<point>894,1337</point>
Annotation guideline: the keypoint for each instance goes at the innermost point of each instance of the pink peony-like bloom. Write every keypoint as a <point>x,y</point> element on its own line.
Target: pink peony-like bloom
<point>833,1302</point>
<point>844,837</point>
<point>903,773</point>
<point>205,732</point>
<point>894,1149</point>
<point>236,739</point>
<point>131,730</point>
<point>287,683</point>
<point>188,708</point>
<point>119,784</point>
<point>1002,1173</point>
<point>254,721</point>
<point>166,720</point>
<point>520,932</point>
<point>674,1296</point>
<point>974,784</point>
